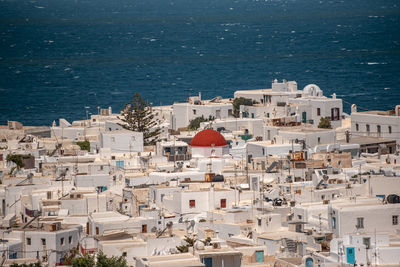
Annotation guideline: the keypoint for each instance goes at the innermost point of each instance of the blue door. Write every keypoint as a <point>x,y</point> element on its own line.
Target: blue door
<point>208,262</point>
<point>260,256</point>
<point>350,255</point>
<point>309,262</point>
<point>119,164</point>
<point>304,117</point>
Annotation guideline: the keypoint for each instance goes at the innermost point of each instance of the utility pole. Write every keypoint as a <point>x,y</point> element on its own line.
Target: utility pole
<point>235,184</point>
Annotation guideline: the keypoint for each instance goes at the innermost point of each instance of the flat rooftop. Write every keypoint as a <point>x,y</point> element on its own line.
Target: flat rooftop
<point>366,140</point>
<point>378,112</point>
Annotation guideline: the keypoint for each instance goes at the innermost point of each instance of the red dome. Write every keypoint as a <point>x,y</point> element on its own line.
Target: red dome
<point>208,138</point>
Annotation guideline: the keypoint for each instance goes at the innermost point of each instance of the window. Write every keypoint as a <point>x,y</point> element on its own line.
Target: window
<point>367,128</point>
<point>335,114</point>
<point>29,241</point>
<point>367,242</point>
<point>62,241</point>
<point>259,222</point>
<point>319,140</point>
<point>97,230</point>
<point>192,203</point>
<point>223,203</point>
<point>357,127</point>
<point>144,228</point>
<point>194,112</point>
<point>395,219</point>
<point>390,129</point>
<point>70,239</point>
<point>124,254</point>
<point>43,240</point>
<point>378,129</point>
<point>318,112</point>
<point>360,223</point>
<point>299,216</point>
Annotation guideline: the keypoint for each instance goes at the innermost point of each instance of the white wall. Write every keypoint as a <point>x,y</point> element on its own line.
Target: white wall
<point>325,105</point>
<point>311,138</point>
<point>122,141</point>
<point>254,126</point>
<point>183,113</point>
<point>362,119</point>
<point>259,149</point>
<point>376,218</point>
<point>92,180</point>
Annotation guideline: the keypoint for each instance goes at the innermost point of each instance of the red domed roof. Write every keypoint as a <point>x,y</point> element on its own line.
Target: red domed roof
<point>208,138</point>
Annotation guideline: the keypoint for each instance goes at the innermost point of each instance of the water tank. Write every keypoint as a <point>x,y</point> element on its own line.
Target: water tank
<point>393,199</point>
<point>218,178</point>
<point>277,202</point>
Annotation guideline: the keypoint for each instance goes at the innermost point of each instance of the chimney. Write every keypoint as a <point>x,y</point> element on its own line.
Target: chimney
<point>397,110</point>
<point>353,108</point>
<point>347,136</point>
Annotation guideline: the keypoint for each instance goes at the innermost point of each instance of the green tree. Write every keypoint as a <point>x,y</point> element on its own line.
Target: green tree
<point>84,145</point>
<point>85,260</point>
<point>104,261</point>
<point>138,116</point>
<point>17,159</point>
<point>325,123</point>
<point>189,243</point>
<point>237,102</point>
<point>195,123</point>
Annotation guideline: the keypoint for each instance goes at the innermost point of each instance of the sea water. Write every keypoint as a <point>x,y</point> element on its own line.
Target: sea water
<point>59,56</point>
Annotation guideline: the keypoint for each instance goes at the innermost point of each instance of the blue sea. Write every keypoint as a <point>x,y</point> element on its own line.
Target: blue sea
<point>59,56</point>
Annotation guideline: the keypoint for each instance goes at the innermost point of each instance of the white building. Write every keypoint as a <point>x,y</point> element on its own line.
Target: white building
<point>362,249</point>
<point>183,113</point>
<point>284,99</point>
<point>353,218</point>
<point>66,130</point>
<point>311,136</point>
<point>121,141</point>
<point>83,203</point>
<point>52,243</point>
<point>383,124</point>
<point>278,95</point>
<point>265,148</point>
<point>199,200</point>
<point>313,106</point>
